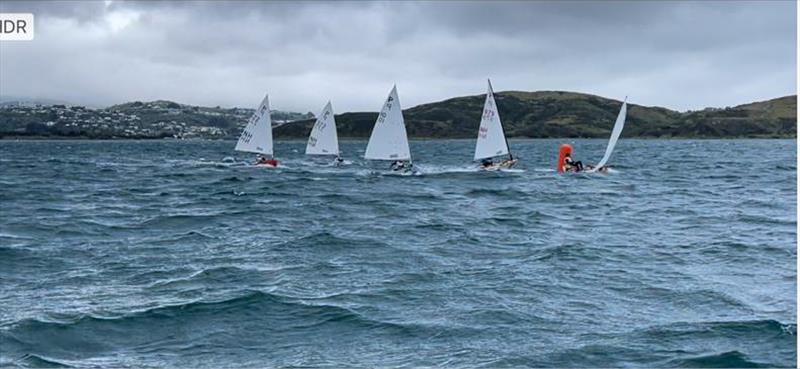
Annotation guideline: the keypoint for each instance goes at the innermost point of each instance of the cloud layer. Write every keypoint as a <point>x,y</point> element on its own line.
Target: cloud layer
<point>682,55</point>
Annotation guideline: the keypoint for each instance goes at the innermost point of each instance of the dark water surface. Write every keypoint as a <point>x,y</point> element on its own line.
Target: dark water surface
<point>162,254</point>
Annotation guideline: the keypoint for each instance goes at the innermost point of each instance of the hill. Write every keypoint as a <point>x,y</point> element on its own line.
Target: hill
<point>771,118</point>
<point>543,114</point>
<point>538,114</point>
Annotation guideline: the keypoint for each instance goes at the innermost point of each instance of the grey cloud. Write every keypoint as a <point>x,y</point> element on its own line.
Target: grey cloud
<point>81,11</point>
<point>683,55</point>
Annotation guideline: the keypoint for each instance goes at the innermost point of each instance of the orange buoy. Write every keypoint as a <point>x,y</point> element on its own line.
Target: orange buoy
<point>563,151</point>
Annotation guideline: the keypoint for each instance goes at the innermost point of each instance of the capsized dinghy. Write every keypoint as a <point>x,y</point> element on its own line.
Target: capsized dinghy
<point>612,141</point>
<point>565,150</point>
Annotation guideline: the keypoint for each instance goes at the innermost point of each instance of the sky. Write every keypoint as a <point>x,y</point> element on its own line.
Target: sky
<point>682,55</point>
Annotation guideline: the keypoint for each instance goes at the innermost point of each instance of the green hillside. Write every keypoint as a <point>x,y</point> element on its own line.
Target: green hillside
<point>524,114</point>
<point>545,114</point>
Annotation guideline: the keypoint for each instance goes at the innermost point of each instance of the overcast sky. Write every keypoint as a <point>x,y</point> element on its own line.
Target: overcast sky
<point>680,55</point>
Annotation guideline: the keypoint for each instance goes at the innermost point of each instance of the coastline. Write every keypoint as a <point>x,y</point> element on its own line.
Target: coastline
<point>302,139</point>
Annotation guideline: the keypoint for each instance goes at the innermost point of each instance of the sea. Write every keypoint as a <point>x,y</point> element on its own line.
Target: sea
<point>183,254</point>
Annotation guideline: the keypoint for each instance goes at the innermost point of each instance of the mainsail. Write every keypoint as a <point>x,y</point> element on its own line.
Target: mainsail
<point>389,140</point>
<point>491,137</point>
<point>323,139</point>
<point>257,135</point>
<point>618,125</point>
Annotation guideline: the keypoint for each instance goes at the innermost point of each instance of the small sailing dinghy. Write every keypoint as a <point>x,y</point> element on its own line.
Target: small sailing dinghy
<point>492,140</point>
<point>323,139</point>
<point>389,140</point>
<point>257,136</point>
<point>612,141</point>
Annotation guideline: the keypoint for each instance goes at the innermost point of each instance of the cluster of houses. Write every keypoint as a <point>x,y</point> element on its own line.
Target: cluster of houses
<point>153,121</point>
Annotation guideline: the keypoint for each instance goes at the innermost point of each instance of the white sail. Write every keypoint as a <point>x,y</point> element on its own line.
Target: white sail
<point>618,125</point>
<point>491,138</point>
<point>389,140</point>
<point>257,135</point>
<point>323,139</point>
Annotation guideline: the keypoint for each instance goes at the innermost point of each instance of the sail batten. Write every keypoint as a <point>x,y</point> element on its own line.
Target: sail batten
<point>257,134</point>
<point>615,132</point>
<point>491,137</point>
<point>323,139</point>
<point>389,140</point>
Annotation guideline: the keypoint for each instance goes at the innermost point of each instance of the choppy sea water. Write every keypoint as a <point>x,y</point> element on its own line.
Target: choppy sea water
<point>164,254</point>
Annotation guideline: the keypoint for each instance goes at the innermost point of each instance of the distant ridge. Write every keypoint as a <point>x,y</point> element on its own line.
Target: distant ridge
<point>537,114</point>
<point>28,101</point>
<point>543,114</point>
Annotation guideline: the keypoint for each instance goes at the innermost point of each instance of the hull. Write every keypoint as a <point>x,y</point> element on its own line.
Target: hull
<point>270,163</point>
<point>508,164</point>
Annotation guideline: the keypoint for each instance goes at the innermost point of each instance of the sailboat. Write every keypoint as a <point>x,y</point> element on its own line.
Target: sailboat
<point>492,140</point>
<point>257,136</point>
<point>612,141</point>
<point>323,139</point>
<point>389,140</point>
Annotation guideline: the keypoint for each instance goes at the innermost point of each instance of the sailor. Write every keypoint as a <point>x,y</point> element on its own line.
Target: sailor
<point>486,163</point>
<point>400,165</point>
<point>338,161</point>
<point>508,162</point>
<point>572,165</point>
<point>263,160</point>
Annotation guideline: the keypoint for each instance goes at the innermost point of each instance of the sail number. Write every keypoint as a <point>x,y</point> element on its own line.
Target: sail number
<point>382,117</point>
<point>389,104</point>
<point>246,136</point>
<point>321,122</point>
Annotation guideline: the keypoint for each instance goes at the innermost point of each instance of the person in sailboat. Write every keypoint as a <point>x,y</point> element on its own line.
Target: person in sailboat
<point>571,165</point>
<point>263,160</point>
<point>508,163</point>
<point>400,165</point>
<point>487,163</point>
<point>338,161</point>
<point>603,169</point>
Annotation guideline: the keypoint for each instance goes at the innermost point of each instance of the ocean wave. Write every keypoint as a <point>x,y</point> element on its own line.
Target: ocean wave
<point>189,236</point>
<point>723,329</point>
<point>32,361</point>
<point>690,344</point>
<point>760,219</point>
<point>223,276</point>
<point>253,315</point>
<point>507,193</point>
<point>328,241</point>
<point>730,359</point>
<point>179,220</point>
<point>235,179</point>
